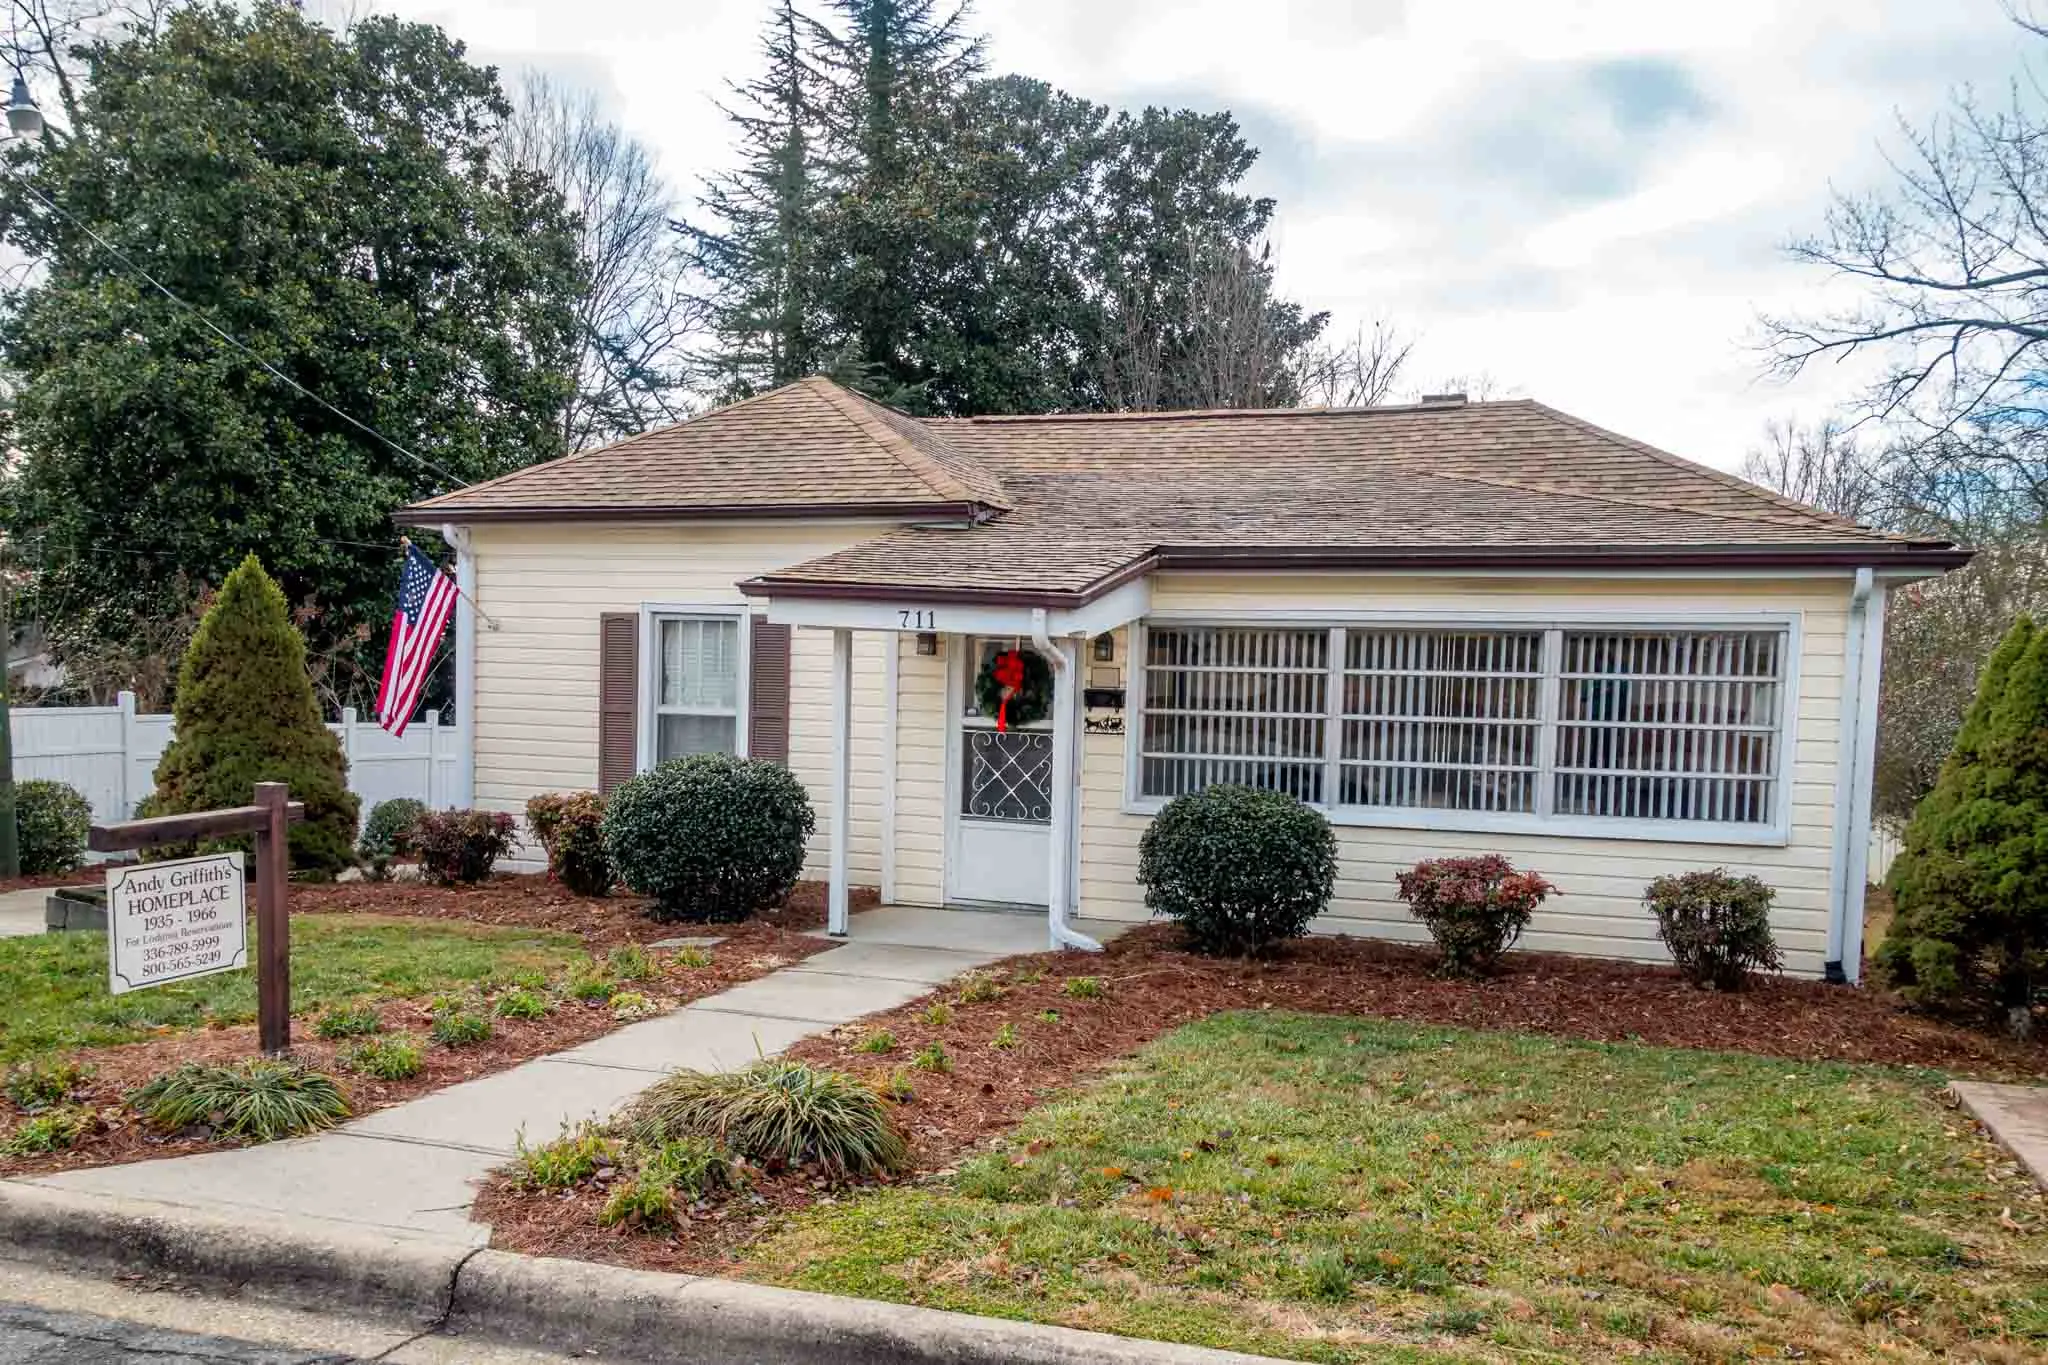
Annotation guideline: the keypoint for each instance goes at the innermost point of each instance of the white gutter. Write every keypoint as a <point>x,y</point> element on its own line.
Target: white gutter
<point>1853,766</point>
<point>465,667</point>
<point>1065,789</point>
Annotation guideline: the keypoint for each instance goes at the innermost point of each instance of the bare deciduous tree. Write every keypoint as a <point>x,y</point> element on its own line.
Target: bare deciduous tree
<point>638,312</point>
<point>1822,466</point>
<point>1358,373</point>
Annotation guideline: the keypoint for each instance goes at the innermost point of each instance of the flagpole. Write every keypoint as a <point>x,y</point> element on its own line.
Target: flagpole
<point>405,545</point>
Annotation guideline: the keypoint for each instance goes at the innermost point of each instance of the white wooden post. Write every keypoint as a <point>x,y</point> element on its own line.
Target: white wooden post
<point>124,702</point>
<point>465,665</point>
<point>432,793</point>
<point>1059,881</point>
<point>842,784</point>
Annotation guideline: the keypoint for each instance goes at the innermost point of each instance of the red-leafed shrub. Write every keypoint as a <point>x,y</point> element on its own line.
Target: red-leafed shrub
<point>459,846</point>
<point>1716,924</point>
<point>570,826</point>
<point>1475,908</point>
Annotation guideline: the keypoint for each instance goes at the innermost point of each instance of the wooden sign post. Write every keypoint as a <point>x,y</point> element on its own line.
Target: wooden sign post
<point>269,819</point>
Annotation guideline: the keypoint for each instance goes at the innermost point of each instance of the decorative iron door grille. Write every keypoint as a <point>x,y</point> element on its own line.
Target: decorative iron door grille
<point>1008,775</point>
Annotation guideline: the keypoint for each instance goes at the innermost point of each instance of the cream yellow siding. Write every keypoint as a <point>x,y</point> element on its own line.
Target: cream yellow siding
<point>546,585</point>
<point>1601,880</point>
<point>922,716</point>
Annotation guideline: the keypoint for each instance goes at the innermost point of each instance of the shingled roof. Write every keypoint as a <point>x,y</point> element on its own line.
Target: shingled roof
<point>1057,509</point>
<point>809,447</point>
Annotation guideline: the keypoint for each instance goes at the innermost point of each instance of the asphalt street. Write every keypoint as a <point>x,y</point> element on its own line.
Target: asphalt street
<point>40,1336</point>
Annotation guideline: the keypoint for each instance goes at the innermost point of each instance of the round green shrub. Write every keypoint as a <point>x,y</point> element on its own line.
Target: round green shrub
<point>1717,926</point>
<point>387,834</point>
<point>50,822</point>
<point>710,838</point>
<point>1243,870</point>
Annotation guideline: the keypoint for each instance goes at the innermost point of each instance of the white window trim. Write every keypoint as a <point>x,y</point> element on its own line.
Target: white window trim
<point>1777,833</point>
<point>650,670</point>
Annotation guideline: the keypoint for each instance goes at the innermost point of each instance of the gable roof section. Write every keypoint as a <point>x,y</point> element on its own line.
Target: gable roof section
<point>806,448</point>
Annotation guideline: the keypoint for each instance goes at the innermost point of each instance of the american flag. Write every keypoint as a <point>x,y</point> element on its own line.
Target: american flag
<point>426,596</point>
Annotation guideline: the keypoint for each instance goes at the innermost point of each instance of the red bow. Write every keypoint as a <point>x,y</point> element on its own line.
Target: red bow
<point>1009,675</point>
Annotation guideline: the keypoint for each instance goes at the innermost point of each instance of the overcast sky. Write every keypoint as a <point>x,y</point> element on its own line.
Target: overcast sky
<point>1584,201</point>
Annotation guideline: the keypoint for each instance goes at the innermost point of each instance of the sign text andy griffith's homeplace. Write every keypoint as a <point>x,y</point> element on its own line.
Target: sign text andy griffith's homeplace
<point>173,920</point>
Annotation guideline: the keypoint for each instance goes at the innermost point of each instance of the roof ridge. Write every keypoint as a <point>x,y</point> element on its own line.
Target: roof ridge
<point>1722,477</point>
<point>608,447</point>
<point>1180,414</point>
<point>932,473</point>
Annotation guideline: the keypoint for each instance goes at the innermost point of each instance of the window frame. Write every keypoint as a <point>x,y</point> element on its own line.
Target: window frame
<point>652,614</point>
<point>1775,833</point>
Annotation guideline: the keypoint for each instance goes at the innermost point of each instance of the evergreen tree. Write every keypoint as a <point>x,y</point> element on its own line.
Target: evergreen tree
<point>333,201</point>
<point>893,72</point>
<point>245,714</point>
<point>1970,933</point>
<point>757,244</point>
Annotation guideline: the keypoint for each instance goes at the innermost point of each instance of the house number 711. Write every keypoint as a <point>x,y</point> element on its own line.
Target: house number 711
<point>919,620</point>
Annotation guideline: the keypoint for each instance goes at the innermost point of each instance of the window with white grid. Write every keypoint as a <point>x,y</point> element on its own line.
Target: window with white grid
<point>1536,725</point>
<point>1441,719</point>
<point>1670,725</point>
<point>1240,706</point>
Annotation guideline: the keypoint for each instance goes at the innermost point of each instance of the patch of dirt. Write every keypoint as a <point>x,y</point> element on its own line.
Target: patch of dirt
<point>748,951</point>
<point>536,901</point>
<point>1151,986</point>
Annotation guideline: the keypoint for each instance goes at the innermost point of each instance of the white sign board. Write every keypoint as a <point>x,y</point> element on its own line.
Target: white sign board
<point>174,920</point>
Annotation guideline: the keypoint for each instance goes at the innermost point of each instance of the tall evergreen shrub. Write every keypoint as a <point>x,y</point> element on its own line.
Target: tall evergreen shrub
<point>246,714</point>
<point>1970,888</point>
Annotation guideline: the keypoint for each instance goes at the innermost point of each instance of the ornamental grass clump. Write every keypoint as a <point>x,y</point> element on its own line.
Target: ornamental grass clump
<point>1475,908</point>
<point>384,1058</point>
<point>54,1130</point>
<point>570,827</point>
<point>35,1086</point>
<point>776,1113</point>
<point>523,1003</point>
<point>710,838</point>
<point>349,1021</point>
<point>1716,925</point>
<point>258,1101</point>
<point>565,1162</point>
<point>456,1027</point>
<point>1241,869</point>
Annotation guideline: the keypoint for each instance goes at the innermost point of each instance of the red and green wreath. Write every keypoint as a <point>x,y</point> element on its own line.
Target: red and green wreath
<point>1014,686</point>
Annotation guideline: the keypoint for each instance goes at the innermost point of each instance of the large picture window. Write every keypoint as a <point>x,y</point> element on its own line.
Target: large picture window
<point>1475,726</point>
<point>696,685</point>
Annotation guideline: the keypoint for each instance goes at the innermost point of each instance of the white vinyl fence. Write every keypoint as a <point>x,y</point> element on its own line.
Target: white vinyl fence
<point>109,753</point>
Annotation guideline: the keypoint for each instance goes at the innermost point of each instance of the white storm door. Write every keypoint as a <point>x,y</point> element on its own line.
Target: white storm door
<point>1002,812</point>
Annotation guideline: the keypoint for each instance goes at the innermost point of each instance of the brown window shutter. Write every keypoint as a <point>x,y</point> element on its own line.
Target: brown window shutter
<point>768,693</point>
<point>618,697</point>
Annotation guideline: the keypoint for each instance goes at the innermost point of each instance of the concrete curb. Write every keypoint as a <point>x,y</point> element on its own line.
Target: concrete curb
<point>535,1301</point>
<point>309,1263</point>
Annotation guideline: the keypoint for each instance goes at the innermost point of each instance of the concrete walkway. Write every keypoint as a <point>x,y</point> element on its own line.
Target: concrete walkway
<point>411,1169</point>
<point>2017,1116</point>
<point>21,912</point>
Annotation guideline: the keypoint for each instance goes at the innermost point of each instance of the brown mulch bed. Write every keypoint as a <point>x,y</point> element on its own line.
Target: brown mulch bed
<point>747,951</point>
<point>84,876</point>
<point>533,901</point>
<point>1152,987</point>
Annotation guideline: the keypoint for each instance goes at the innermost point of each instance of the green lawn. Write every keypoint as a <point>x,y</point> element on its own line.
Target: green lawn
<point>53,987</point>
<point>1344,1190</point>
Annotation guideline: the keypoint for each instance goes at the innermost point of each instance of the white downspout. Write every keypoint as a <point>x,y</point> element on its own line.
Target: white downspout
<point>1845,896</point>
<point>465,667</point>
<point>1065,772</point>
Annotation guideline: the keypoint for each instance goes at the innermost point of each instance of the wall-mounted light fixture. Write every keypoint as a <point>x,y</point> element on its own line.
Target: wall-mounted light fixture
<point>927,643</point>
<point>1105,648</point>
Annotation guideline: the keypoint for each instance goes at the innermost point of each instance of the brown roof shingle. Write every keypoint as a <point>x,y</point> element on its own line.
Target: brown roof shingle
<point>1057,507</point>
<point>804,447</point>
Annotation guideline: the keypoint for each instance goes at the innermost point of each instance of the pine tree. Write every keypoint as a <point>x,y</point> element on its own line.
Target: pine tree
<point>1970,888</point>
<point>246,714</point>
<point>893,72</point>
<point>757,244</point>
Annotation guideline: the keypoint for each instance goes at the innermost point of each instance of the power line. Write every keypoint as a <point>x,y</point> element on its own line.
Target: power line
<point>224,335</point>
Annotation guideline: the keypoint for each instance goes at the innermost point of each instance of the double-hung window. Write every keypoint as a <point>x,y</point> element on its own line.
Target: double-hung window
<point>1650,731</point>
<point>696,685</point>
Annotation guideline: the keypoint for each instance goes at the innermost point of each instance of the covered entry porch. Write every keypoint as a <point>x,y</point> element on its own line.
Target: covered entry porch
<point>1000,850</point>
